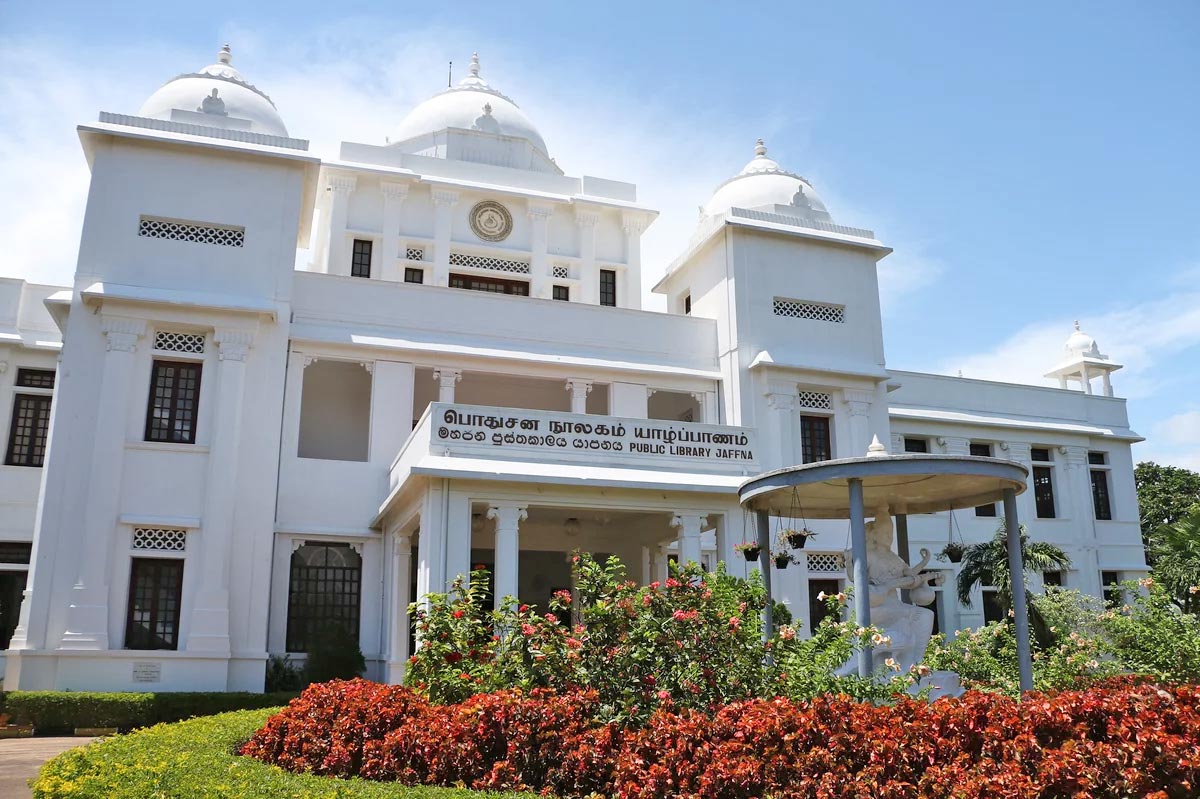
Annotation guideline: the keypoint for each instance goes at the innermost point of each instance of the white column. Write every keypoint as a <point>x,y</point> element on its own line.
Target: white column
<point>87,614</point>
<point>662,563</point>
<point>431,542</point>
<point>589,277</point>
<point>710,409</point>
<point>689,526</point>
<point>209,629</point>
<point>341,187</point>
<point>632,224</point>
<point>446,380</point>
<point>394,195</point>
<point>401,598</point>
<point>647,565</point>
<point>391,409</point>
<point>539,263</point>
<point>783,426</point>
<point>1106,380</point>
<point>858,403</point>
<point>443,219</point>
<point>1020,452</point>
<point>579,389</point>
<point>1075,493</point>
<point>508,518</point>
<point>1085,378</point>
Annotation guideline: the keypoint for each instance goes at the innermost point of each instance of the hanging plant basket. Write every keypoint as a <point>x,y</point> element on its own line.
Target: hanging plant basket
<point>782,559</point>
<point>749,551</point>
<point>798,538</point>
<point>952,552</point>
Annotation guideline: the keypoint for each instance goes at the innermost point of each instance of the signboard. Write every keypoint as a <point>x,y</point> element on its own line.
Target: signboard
<point>580,434</point>
<point>147,672</point>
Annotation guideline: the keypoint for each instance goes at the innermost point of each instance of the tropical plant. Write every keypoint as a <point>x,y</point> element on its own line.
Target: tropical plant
<point>1175,553</point>
<point>987,564</point>
<point>334,655</point>
<point>1165,495</point>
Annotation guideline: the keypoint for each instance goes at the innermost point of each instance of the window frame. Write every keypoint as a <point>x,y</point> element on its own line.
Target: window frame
<point>414,271</point>
<point>155,363</point>
<point>176,564</point>
<point>43,404</point>
<point>1102,499</point>
<point>1042,477</point>
<point>356,262</point>
<point>509,286</point>
<point>608,288</point>
<point>298,630</point>
<point>919,445</point>
<point>806,440</point>
<point>564,291</point>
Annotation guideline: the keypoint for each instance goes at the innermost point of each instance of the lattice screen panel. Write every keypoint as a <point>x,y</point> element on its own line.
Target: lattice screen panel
<point>160,539</point>
<point>414,254</point>
<point>801,309</point>
<point>154,228</point>
<point>818,400</point>
<point>561,272</point>
<point>487,262</point>
<point>172,341</point>
<point>826,562</point>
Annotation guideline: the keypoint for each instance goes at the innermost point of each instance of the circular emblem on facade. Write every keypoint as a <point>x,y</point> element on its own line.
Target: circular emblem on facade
<point>491,221</point>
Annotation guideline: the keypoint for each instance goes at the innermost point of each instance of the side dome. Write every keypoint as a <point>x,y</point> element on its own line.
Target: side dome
<point>471,105</point>
<point>216,95</point>
<point>1080,343</point>
<point>764,185</point>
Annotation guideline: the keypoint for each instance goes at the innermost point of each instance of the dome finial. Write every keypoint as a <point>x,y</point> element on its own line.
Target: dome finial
<point>225,55</point>
<point>760,149</point>
<point>474,68</point>
<point>1076,324</point>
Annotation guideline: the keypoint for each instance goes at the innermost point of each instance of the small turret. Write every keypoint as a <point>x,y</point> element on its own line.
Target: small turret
<point>1083,363</point>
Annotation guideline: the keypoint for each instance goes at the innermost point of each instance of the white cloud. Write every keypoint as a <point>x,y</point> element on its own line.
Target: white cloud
<point>1175,440</point>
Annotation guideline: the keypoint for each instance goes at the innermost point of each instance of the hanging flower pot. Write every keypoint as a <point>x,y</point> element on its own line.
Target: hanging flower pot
<point>798,538</point>
<point>749,551</point>
<point>782,559</point>
<point>952,552</point>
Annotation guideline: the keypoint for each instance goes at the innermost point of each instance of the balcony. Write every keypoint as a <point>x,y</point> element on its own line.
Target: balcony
<point>482,442</point>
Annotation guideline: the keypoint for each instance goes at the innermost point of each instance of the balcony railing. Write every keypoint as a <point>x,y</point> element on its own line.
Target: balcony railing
<point>517,434</point>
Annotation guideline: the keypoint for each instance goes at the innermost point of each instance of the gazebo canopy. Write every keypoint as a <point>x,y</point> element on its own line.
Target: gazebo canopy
<point>903,483</point>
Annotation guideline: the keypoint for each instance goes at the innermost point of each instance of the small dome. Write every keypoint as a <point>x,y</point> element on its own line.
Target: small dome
<point>217,90</point>
<point>763,184</point>
<point>471,105</point>
<point>1080,343</point>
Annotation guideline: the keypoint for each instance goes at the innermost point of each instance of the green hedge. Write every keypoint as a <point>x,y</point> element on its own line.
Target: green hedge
<point>195,759</point>
<point>63,711</point>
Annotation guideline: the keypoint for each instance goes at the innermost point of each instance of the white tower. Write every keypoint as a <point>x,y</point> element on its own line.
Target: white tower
<point>1084,362</point>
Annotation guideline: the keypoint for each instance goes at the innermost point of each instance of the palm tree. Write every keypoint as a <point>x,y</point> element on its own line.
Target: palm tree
<point>1175,553</point>
<point>987,563</point>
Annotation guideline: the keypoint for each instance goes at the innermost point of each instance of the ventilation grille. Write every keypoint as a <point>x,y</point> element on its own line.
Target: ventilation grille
<point>817,400</point>
<point>487,262</point>
<point>561,272</point>
<point>161,540</point>
<point>191,231</point>
<point>826,562</point>
<point>414,254</point>
<point>800,309</point>
<point>170,341</point>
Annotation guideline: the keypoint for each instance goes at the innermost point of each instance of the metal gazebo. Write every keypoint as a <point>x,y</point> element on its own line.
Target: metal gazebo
<point>850,487</point>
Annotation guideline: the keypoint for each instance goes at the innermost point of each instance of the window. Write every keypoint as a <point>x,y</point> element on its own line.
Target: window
<point>414,275</point>
<point>916,444</point>
<point>174,394</point>
<point>802,309</point>
<point>1043,491</point>
<point>1039,454</point>
<point>1111,583</point>
<point>12,586</point>
<point>687,305</point>
<point>814,439</point>
<point>818,611</point>
<point>360,260</point>
<point>562,293</point>
<point>27,432</point>
<point>155,590</point>
<point>1100,499</point>
<point>1052,579</point>
<point>983,450</point>
<point>608,287</point>
<point>35,378</point>
<point>324,590</point>
<point>494,285</point>
<point>1098,458</point>
<point>992,610</point>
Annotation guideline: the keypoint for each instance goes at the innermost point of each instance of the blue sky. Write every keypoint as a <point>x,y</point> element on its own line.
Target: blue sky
<point>1031,163</point>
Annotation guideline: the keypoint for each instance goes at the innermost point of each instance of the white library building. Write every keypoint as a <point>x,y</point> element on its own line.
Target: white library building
<point>212,453</point>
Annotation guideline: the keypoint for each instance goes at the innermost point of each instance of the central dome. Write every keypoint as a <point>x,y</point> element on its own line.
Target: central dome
<point>471,105</point>
<point>763,184</point>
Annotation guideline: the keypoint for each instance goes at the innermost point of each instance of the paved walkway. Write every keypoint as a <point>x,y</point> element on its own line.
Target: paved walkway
<point>20,759</point>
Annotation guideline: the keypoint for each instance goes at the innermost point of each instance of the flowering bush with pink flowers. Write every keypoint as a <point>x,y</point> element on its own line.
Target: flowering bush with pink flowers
<point>692,641</point>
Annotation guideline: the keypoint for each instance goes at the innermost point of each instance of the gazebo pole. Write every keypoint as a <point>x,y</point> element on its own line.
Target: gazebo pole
<point>763,520</point>
<point>1016,571</point>
<point>858,549</point>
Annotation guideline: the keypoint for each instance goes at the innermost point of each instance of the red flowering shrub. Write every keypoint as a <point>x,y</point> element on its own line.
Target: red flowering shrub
<point>1119,738</point>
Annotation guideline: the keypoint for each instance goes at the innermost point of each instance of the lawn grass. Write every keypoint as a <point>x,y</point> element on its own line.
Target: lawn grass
<point>195,760</point>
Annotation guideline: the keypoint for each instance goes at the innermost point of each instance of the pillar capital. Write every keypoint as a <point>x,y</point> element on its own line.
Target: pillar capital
<point>579,389</point>
<point>447,378</point>
<point>539,211</point>
<point>394,192</point>
<point>402,542</point>
<point>233,345</point>
<point>781,401</point>
<point>444,199</point>
<point>858,401</point>
<point>122,332</point>
<point>507,514</point>
<point>342,184</point>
